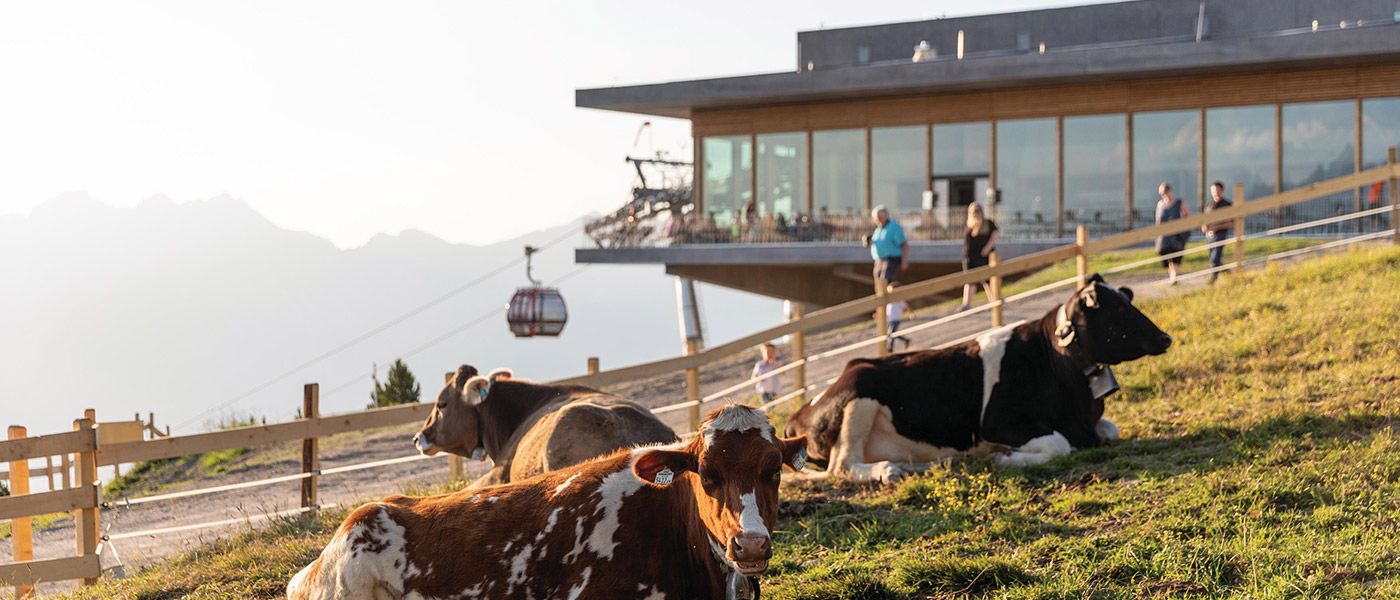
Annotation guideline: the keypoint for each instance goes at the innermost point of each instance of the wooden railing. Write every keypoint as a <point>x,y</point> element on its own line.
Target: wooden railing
<point>1081,250</point>
<point>24,572</point>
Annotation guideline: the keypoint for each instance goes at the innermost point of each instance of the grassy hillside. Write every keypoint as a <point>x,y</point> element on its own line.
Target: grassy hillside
<point>1258,460</point>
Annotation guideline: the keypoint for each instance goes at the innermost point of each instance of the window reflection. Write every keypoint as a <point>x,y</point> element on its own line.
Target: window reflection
<point>1318,143</point>
<point>1166,148</point>
<point>1096,172</point>
<point>1240,149</point>
<point>728,164</point>
<point>1380,129</point>
<point>838,172</point>
<point>1026,177</point>
<point>961,163</point>
<point>782,174</point>
<point>898,165</point>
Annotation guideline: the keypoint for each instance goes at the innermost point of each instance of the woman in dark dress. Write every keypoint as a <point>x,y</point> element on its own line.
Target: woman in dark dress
<point>1171,208</point>
<point>979,240</point>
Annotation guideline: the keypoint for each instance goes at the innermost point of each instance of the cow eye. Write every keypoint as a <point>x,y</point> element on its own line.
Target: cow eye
<point>775,474</point>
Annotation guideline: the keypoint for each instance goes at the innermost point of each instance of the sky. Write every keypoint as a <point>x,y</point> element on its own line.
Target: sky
<point>348,119</point>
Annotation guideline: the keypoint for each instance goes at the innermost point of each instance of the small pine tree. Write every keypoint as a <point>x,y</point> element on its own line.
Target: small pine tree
<point>399,388</point>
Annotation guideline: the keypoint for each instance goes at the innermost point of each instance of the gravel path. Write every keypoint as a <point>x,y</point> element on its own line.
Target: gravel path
<point>251,505</point>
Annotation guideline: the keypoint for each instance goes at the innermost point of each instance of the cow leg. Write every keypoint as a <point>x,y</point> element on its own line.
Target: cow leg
<point>1037,451</point>
<point>848,457</point>
<point>886,444</point>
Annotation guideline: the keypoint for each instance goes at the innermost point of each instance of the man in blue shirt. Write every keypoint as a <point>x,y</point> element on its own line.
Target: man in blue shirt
<point>888,247</point>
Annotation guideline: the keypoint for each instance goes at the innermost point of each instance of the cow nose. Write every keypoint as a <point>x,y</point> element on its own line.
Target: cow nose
<point>1165,340</point>
<point>750,547</point>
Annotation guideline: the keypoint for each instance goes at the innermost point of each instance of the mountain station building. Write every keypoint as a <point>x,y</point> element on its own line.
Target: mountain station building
<point>1060,118</point>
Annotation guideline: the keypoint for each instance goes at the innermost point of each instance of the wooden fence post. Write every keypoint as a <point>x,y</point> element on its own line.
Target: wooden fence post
<point>1081,258</point>
<point>21,528</point>
<point>310,458</point>
<point>1394,197</point>
<point>592,365</point>
<point>882,322</point>
<point>67,461</point>
<point>1239,230</point>
<point>799,352</point>
<point>692,386</point>
<point>85,519</point>
<point>994,291</point>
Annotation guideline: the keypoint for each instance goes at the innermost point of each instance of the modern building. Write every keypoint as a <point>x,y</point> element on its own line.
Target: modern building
<point>1060,117</point>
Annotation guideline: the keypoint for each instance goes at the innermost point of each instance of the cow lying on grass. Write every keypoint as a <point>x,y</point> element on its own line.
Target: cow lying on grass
<point>528,428</point>
<point>680,521</point>
<point>1033,391</point>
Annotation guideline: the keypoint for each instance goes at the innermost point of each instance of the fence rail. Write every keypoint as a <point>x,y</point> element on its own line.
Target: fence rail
<point>88,451</point>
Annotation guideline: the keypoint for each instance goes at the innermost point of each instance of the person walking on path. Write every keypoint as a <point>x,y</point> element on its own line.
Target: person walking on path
<point>888,246</point>
<point>979,241</point>
<point>1171,208</point>
<point>767,389</point>
<point>895,314</point>
<point>1218,231</point>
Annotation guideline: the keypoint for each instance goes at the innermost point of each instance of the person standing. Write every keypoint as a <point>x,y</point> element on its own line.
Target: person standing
<point>1218,231</point>
<point>768,362</point>
<point>888,246</point>
<point>1171,208</point>
<point>979,241</point>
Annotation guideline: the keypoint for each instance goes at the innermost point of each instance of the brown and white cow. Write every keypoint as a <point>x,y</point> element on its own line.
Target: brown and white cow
<point>688,520</point>
<point>527,428</point>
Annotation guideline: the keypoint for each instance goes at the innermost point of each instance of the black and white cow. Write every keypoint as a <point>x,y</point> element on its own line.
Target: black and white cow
<point>1030,391</point>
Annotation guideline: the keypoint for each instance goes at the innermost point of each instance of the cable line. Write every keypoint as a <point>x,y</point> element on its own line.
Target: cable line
<point>368,334</point>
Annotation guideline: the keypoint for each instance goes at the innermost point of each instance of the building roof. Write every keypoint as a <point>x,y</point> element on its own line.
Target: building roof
<point>1143,39</point>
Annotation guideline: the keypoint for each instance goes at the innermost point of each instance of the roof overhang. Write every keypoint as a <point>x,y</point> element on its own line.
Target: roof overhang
<point>681,99</point>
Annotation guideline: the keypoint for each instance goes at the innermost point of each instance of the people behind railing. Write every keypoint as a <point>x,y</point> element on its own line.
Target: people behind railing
<point>767,389</point>
<point>979,241</point>
<point>889,248</point>
<point>1217,231</point>
<point>1171,208</point>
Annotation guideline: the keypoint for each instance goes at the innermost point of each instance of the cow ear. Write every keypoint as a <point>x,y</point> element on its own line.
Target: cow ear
<point>662,466</point>
<point>1127,293</point>
<point>475,390</point>
<point>1096,278</point>
<point>1089,298</point>
<point>500,373</point>
<point>794,452</point>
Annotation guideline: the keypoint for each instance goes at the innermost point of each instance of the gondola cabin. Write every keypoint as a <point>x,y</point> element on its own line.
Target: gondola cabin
<point>536,311</point>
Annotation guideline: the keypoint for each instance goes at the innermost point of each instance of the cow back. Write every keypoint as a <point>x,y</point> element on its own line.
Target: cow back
<point>582,427</point>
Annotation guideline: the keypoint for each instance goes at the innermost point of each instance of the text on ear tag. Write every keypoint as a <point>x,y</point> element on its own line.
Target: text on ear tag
<point>799,462</point>
<point>664,476</point>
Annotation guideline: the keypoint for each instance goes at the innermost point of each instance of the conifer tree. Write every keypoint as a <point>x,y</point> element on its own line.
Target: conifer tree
<point>399,388</point>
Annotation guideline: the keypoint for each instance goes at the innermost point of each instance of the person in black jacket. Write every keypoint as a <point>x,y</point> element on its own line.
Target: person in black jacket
<point>979,241</point>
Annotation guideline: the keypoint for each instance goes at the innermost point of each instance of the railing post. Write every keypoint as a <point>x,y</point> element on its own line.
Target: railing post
<point>1394,197</point>
<point>1081,257</point>
<point>592,365</point>
<point>692,386</point>
<point>21,528</point>
<point>67,463</point>
<point>85,519</point>
<point>310,459</point>
<point>1239,230</point>
<point>48,471</point>
<point>994,291</point>
<point>882,322</point>
<point>799,352</point>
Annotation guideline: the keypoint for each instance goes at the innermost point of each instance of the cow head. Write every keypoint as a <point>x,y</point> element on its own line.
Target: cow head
<point>1106,328</point>
<point>732,469</point>
<point>454,425</point>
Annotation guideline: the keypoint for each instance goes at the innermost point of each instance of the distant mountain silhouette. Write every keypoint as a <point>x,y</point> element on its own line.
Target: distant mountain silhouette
<point>175,308</point>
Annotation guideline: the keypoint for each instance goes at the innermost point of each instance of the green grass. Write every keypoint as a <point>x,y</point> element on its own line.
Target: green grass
<point>1259,460</point>
<point>153,475</point>
<point>37,523</point>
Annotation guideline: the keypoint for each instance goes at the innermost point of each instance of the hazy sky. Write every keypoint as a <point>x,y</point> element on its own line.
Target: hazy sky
<point>351,118</point>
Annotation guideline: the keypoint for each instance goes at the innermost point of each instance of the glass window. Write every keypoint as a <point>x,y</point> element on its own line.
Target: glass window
<point>898,167</point>
<point>838,172</point>
<point>1026,177</point>
<point>1319,142</point>
<point>728,163</point>
<point>1380,129</point>
<point>961,163</point>
<point>1096,173</point>
<point>1240,149</point>
<point>782,174</point>
<point>1166,149</point>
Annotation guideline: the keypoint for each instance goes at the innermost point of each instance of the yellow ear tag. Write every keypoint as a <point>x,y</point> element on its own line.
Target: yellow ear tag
<point>664,476</point>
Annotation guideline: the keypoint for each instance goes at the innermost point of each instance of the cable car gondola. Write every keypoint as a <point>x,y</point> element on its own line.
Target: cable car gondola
<point>536,311</point>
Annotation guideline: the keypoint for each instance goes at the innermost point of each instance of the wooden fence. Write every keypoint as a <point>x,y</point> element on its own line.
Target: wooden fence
<point>90,449</point>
